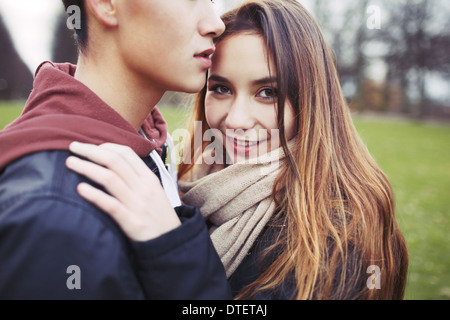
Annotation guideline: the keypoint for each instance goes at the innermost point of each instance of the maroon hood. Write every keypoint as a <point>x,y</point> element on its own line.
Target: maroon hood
<point>61,109</point>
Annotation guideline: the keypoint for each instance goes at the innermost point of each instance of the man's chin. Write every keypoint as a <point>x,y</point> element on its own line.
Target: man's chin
<point>193,86</point>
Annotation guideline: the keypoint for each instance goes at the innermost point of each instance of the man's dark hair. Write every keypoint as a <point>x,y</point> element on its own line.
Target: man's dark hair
<point>81,35</point>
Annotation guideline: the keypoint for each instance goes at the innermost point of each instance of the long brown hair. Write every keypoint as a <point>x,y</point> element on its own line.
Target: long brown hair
<point>336,204</point>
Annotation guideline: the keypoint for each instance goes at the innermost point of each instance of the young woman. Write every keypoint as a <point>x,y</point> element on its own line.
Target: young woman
<point>313,216</point>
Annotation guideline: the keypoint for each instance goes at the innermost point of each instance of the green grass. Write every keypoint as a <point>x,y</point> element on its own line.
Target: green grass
<point>176,117</point>
<point>9,111</point>
<point>416,158</point>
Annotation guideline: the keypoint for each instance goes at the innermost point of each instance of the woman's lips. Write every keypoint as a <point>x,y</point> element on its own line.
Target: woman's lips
<point>243,146</point>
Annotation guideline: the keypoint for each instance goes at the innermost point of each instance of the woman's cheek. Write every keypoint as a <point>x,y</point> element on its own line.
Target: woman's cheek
<point>213,112</point>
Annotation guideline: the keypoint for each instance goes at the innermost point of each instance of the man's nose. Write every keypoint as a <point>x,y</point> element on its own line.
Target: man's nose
<point>211,25</point>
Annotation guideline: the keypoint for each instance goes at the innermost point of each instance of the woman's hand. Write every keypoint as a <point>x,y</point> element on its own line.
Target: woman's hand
<point>137,201</point>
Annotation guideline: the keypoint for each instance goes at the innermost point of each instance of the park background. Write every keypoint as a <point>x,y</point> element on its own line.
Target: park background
<point>393,59</point>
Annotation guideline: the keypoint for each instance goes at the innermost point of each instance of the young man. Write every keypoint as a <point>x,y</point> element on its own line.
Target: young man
<point>53,244</point>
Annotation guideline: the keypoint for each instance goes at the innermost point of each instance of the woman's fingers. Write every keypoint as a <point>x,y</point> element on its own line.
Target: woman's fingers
<point>113,183</point>
<point>136,199</point>
<point>138,225</point>
<point>124,164</point>
<point>101,199</point>
<point>120,159</point>
<point>128,155</point>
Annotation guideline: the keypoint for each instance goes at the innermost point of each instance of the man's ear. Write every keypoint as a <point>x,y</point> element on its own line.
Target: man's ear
<point>104,11</point>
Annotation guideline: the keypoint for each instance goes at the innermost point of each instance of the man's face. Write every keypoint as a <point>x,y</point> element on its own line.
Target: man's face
<point>167,44</point>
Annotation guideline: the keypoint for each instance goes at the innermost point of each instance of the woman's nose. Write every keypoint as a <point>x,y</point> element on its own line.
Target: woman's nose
<point>240,115</point>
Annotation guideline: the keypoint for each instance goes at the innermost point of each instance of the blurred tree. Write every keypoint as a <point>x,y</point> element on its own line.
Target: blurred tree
<point>16,79</point>
<point>372,92</point>
<point>417,46</point>
<point>64,48</point>
<point>344,27</point>
<point>413,41</point>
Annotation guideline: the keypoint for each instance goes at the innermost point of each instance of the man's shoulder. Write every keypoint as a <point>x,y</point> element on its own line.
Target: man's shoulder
<point>39,185</point>
<point>38,172</point>
<point>45,228</point>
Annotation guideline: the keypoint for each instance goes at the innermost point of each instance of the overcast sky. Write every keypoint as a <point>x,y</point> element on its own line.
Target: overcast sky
<point>31,25</point>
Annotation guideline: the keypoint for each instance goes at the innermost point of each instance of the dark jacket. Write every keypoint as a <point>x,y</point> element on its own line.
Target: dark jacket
<point>46,227</point>
<point>55,245</point>
<point>255,263</point>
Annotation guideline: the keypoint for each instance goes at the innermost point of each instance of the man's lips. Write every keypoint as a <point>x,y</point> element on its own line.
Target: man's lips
<point>205,57</point>
<point>206,54</point>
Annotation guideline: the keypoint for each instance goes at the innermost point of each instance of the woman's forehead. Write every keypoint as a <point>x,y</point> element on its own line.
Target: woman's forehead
<point>242,53</point>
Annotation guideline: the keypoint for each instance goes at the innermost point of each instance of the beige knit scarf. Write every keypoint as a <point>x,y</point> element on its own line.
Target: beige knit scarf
<point>237,200</point>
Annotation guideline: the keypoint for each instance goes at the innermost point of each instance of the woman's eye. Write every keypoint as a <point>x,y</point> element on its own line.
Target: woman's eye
<point>219,89</point>
<point>268,93</point>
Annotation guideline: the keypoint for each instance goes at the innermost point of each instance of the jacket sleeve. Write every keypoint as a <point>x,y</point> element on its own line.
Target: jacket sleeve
<point>182,264</point>
<point>56,248</point>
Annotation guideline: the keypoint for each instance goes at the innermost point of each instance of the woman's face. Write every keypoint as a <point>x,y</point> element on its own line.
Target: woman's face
<point>242,96</point>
